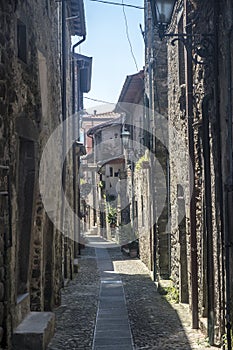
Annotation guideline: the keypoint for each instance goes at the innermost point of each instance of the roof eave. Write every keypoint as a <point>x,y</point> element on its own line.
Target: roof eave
<point>78,25</point>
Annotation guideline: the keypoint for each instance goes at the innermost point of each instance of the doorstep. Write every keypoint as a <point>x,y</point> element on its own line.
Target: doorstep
<point>34,332</point>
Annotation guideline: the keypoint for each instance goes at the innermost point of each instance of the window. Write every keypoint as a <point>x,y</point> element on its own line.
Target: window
<point>22,41</point>
<point>111,171</point>
<point>142,210</point>
<point>181,53</point>
<point>47,4</point>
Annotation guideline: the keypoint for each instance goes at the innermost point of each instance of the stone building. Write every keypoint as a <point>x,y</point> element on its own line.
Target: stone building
<point>156,248</point>
<point>35,259</point>
<point>115,164</point>
<point>88,166</point>
<point>199,87</point>
<point>108,159</point>
<point>131,103</point>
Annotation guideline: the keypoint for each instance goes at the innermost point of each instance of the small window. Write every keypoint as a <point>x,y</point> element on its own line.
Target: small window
<point>181,54</point>
<point>142,210</point>
<point>22,41</point>
<point>48,8</point>
<point>111,171</point>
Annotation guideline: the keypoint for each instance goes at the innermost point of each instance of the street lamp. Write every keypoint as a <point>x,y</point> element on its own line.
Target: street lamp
<point>80,149</point>
<point>125,135</point>
<point>199,45</point>
<point>162,13</point>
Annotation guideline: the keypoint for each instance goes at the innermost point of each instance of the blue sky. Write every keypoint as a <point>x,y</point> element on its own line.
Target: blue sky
<point>107,43</point>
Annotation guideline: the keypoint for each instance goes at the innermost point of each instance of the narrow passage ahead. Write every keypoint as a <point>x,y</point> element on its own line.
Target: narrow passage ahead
<point>113,304</point>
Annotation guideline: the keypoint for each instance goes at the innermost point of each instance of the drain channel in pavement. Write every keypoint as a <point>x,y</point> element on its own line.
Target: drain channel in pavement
<point>112,330</point>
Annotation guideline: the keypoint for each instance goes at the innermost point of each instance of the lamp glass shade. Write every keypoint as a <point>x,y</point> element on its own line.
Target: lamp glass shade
<point>125,135</point>
<point>163,11</point>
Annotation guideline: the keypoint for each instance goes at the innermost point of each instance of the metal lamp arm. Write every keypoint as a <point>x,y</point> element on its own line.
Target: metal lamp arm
<point>201,45</point>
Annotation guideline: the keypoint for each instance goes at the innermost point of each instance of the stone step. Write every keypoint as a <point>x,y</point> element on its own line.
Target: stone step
<point>93,231</point>
<point>34,332</point>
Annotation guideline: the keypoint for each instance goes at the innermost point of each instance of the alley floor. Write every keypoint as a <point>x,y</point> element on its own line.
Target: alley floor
<point>113,304</point>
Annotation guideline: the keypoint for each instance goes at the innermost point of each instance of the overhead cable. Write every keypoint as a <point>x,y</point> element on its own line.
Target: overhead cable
<point>117,4</point>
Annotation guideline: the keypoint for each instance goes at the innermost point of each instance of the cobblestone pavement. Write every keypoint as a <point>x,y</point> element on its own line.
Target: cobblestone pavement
<point>155,323</point>
<point>75,318</point>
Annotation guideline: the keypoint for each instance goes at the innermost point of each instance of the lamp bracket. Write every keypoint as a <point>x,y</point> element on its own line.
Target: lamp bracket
<point>202,45</point>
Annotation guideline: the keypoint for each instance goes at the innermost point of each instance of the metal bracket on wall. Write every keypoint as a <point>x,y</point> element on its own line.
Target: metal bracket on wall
<point>202,45</point>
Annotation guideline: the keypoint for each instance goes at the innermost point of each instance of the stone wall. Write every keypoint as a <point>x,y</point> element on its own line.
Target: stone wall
<point>30,109</point>
<point>142,217</point>
<point>224,125</point>
<point>206,177</point>
<point>178,159</point>
<point>156,139</point>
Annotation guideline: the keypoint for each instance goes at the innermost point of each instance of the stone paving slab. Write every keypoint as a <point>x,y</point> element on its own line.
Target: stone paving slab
<point>112,307</point>
<point>113,333</point>
<point>114,326</point>
<point>105,322</point>
<point>106,341</point>
<point>112,311</point>
<point>114,347</point>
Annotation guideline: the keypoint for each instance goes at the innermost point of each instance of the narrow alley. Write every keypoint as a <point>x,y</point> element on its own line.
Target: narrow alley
<point>116,174</point>
<point>113,304</point>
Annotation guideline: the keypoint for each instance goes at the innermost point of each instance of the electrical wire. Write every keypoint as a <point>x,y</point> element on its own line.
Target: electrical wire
<point>96,100</point>
<point>116,3</point>
<point>127,34</point>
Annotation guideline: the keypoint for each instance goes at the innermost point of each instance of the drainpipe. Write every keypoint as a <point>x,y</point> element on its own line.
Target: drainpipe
<point>193,234</point>
<point>73,74</point>
<point>150,143</point>
<point>208,219</point>
<point>64,107</point>
<point>64,59</point>
<point>75,135</point>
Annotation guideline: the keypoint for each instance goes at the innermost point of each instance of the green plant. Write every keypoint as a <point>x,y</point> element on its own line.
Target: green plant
<point>224,339</point>
<point>112,216</point>
<point>171,293</point>
<point>82,181</point>
<point>101,184</point>
<point>141,160</point>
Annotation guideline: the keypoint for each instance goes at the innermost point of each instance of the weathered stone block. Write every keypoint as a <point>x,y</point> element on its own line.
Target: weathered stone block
<point>1,313</point>
<point>2,89</point>
<point>1,333</point>
<point>3,108</point>
<point>2,291</point>
<point>34,332</point>
<point>36,273</point>
<point>2,273</point>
